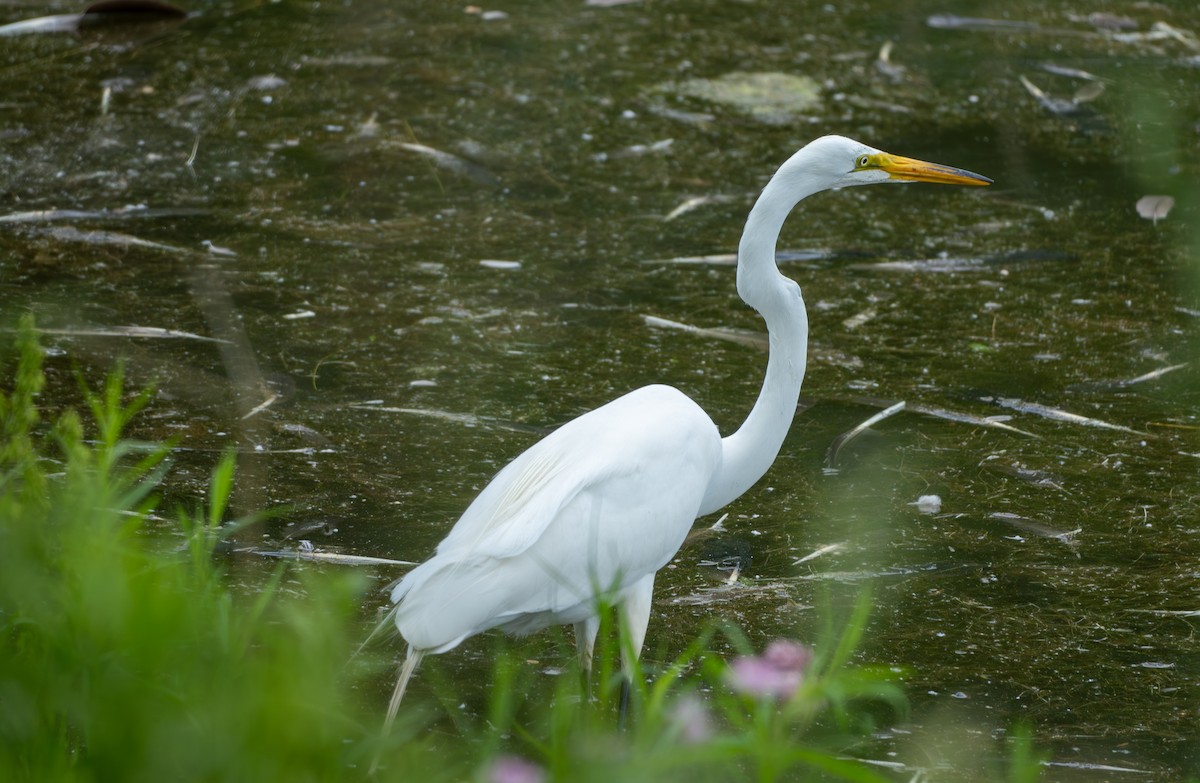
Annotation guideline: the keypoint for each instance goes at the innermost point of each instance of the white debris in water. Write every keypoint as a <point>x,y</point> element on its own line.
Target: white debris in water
<point>268,82</point>
<point>217,250</point>
<point>493,263</point>
<point>928,504</point>
<point>298,315</point>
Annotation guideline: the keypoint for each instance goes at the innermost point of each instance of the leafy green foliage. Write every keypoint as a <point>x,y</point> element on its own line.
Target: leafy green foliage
<point>126,657</point>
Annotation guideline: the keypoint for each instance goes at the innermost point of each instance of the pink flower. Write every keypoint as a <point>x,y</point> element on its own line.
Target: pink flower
<point>691,718</point>
<point>514,769</point>
<point>778,672</point>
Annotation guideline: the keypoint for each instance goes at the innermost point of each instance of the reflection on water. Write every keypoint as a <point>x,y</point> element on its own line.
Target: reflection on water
<point>383,249</point>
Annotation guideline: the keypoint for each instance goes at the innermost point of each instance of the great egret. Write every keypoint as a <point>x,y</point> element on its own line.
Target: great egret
<point>598,506</point>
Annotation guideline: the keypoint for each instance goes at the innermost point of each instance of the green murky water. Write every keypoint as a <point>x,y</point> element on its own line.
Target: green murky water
<point>267,153</point>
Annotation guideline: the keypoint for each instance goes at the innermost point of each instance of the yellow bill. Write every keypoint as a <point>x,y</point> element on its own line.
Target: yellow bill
<point>911,170</point>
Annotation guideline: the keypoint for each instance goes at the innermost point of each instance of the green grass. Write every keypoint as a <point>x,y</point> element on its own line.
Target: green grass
<point>126,654</point>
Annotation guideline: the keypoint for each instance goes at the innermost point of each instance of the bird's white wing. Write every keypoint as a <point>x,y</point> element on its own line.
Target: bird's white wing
<point>653,429</point>
<point>596,505</point>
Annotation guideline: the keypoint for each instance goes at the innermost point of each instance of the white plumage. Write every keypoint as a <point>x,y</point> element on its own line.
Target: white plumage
<point>594,509</point>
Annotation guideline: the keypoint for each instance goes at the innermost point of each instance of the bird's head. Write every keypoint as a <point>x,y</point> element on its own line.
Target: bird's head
<point>838,162</point>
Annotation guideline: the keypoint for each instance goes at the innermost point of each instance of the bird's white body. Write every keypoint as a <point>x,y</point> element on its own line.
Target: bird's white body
<point>588,515</point>
<point>592,509</point>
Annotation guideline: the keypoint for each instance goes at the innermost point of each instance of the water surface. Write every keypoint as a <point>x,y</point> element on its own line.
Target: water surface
<point>338,273</point>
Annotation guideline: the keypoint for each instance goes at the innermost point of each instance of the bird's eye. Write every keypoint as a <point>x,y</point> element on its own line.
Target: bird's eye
<point>864,161</point>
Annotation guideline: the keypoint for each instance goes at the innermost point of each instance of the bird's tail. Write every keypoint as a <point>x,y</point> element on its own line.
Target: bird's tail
<point>406,672</point>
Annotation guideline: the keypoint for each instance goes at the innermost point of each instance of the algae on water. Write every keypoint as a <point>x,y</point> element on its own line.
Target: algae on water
<point>774,98</point>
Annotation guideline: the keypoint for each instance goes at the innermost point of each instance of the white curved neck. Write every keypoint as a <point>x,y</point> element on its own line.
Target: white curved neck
<point>747,453</point>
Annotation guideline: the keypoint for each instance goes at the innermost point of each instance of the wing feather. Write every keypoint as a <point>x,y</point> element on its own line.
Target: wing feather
<point>596,505</point>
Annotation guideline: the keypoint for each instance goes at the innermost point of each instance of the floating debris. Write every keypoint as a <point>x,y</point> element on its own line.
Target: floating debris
<point>217,250</point>
<point>123,213</point>
<point>1036,528</point>
<point>858,319</point>
<point>753,339</point>
<point>487,16</point>
<point>103,14</point>
<point>369,129</point>
<point>149,332</point>
<point>1154,375</point>
<point>996,422</point>
<point>694,203</point>
<point>835,448</point>
<point>851,577</point>
<point>1040,478</point>
<point>298,315</point>
<point>931,265</point>
<point>706,532</point>
<point>1046,412</point>
<point>449,162</point>
<point>469,419</point>
<point>955,22</point>
<point>823,550</point>
<point>928,504</point>
<point>350,60</point>
<point>1154,208</point>
<point>883,63</point>
<point>1168,612</point>
<point>268,82</point>
<point>1161,31</point>
<point>1062,70</point>
<point>730,259</point>
<point>635,151</point>
<point>718,259</point>
<point>262,406</point>
<point>773,98</point>
<point>1089,92</point>
<point>737,591</point>
<point>687,117</point>
<point>72,234</point>
<point>494,263</point>
<point>308,553</point>
<point>1095,767</point>
<point>1105,21</point>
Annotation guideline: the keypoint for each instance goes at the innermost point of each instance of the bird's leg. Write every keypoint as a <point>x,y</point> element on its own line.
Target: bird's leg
<point>585,643</point>
<point>635,617</point>
<point>406,672</point>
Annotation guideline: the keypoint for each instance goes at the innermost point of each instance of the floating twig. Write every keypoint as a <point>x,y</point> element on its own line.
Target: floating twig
<point>706,532</point>
<point>1154,375</point>
<point>449,162</point>
<point>151,332</point>
<point>469,419</point>
<point>262,406</point>
<point>1038,529</point>
<point>123,213</point>
<point>742,337</point>
<point>835,448</point>
<point>1057,414</point>
<point>693,203</point>
<point>943,413</point>
<point>823,550</point>
<point>72,234</point>
<point>1167,612</point>
<point>304,552</point>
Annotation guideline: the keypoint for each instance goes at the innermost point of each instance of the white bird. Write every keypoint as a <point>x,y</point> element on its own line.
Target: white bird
<point>590,513</point>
